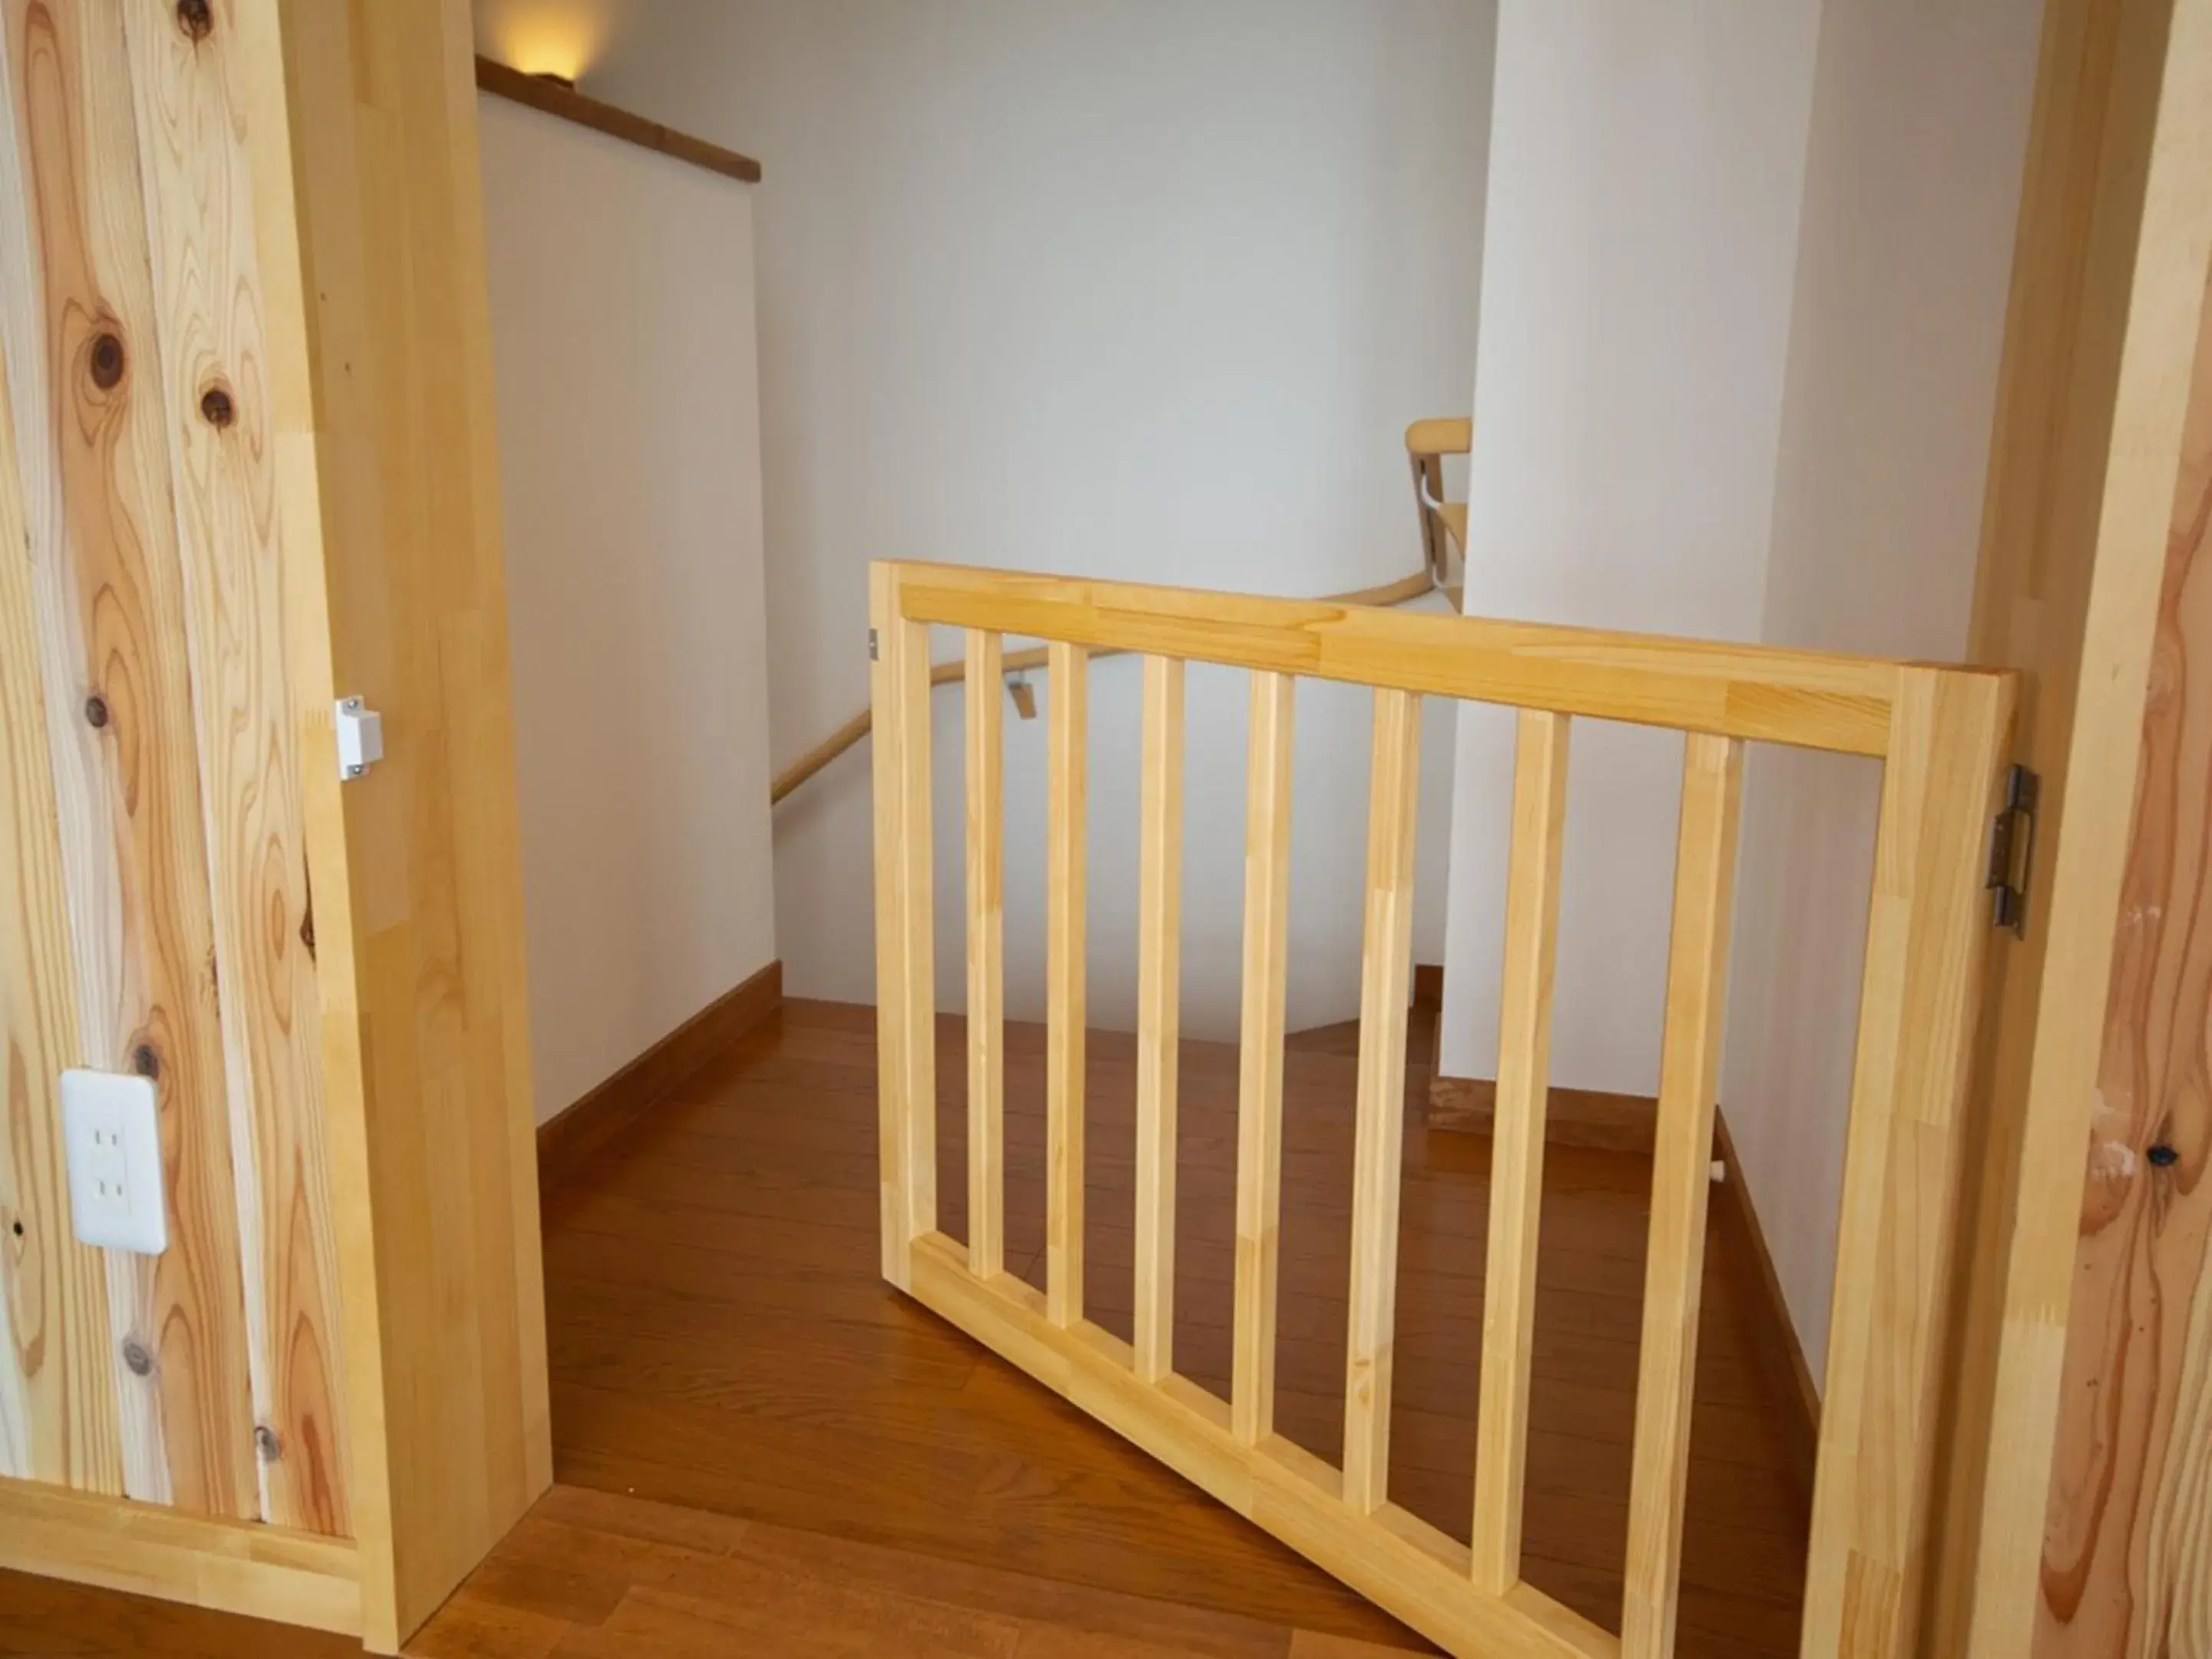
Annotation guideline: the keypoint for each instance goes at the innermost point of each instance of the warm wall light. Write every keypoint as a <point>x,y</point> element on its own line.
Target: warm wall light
<point>555,37</point>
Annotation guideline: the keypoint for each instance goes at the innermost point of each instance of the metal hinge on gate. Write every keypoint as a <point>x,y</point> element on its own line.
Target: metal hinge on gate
<point>2012,851</point>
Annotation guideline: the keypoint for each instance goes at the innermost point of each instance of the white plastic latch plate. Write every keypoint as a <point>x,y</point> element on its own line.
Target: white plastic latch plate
<point>360,737</point>
<point>112,1129</point>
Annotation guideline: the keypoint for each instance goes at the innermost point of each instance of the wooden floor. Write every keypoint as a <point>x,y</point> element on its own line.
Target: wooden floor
<point>875,1483</point>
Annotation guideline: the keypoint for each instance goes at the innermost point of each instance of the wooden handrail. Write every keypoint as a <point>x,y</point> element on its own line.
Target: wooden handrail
<point>1406,588</point>
<point>1443,524</point>
<point>1441,434</point>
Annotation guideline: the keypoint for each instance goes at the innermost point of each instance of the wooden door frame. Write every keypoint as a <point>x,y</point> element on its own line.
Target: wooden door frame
<point>2108,296</point>
<point>363,135</point>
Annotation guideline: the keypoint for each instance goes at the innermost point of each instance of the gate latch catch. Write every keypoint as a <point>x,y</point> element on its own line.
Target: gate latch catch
<point>2012,851</point>
<point>360,737</point>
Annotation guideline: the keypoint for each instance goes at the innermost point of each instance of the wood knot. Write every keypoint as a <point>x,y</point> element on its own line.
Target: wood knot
<point>95,711</point>
<point>266,1443</point>
<point>136,1359</point>
<point>216,408</point>
<point>145,1061</point>
<point>2162,1157</point>
<point>194,18</point>
<point>106,360</point>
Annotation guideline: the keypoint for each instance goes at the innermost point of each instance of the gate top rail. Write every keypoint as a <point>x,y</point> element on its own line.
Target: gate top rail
<point>1810,699</point>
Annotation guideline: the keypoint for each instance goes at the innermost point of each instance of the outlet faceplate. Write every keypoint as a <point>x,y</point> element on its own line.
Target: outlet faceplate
<point>112,1128</point>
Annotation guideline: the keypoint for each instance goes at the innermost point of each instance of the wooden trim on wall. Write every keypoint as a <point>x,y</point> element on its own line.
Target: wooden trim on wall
<point>1572,1117</point>
<point>2107,300</point>
<point>571,1135</point>
<point>142,1549</point>
<point>369,205</point>
<point>554,99</point>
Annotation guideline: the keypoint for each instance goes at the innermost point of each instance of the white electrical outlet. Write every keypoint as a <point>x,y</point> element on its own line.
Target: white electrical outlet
<point>112,1129</point>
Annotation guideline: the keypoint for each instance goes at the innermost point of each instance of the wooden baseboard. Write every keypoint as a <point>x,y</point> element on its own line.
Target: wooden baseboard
<point>231,1566</point>
<point>1778,1341</point>
<point>1572,1117</point>
<point>1428,986</point>
<point>566,1138</point>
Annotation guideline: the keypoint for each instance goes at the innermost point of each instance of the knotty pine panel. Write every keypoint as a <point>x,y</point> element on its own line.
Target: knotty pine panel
<point>2130,1515</point>
<point>192,113</point>
<point>81,337</point>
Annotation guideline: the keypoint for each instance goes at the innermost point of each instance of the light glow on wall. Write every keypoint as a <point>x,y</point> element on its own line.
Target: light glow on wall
<point>545,37</point>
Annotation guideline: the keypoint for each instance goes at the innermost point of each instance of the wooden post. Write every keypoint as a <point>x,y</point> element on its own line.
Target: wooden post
<point>906,970</point>
<point>1889,1319</point>
<point>1682,1177</point>
<point>1159,915</point>
<point>1516,1154</point>
<point>1260,1061</point>
<point>986,1004</point>
<point>1067,824</point>
<point>1385,983</point>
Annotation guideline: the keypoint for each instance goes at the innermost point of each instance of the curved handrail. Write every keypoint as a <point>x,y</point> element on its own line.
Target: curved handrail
<point>1406,587</point>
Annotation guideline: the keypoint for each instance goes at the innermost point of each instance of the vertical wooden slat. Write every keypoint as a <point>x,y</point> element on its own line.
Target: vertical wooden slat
<point>57,1421</point>
<point>199,193</point>
<point>1067,820</point>
<point>1889,1319</point>
<point>1516,1147</point>
<point>1259,1058</point>
<point>1682,1178</point>
<point>81,335</point>
<point>987,974</point>
<point>1159,919</point>
<point>1385,993</point>
<point>905,971</point>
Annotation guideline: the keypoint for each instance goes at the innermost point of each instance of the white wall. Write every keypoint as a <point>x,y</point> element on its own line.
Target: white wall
<point>1148,290</point>
<point>1743,298</point>
<point>622,306</point>
<point>1646,166</point>
<point>1918,141</point>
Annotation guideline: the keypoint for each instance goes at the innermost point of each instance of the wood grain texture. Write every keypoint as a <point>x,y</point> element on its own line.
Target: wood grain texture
<point>81,340</point>
<point>1674,1272</point>
<point>2068,575</point>
<point>571,1138</point>
<point>771,1402</point>
<point>722,1340</point>
<point>1417,586</point>
<point>906,993</point>
<point>987,955</point>
<point>570,104</point>
<point>1811,699</point>
<point>2130,1533</point>
<point>1260,1053</point>
<point>294,1578</point>
<point>1572,1117</point>
<point>1516,1158</point>
<point>1067,827</point>
<point>1398,1560</point>
<point>191,106</point>
<point>2107,296</point>
<point>1160,1024</point>
<point>371,224</point>
<point>597,1575</point>
<point>1890,1333</point>
<point>1385,989</point>
<point>57,1414</point>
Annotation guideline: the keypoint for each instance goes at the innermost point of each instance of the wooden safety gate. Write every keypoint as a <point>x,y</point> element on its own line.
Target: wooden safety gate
<point>1940,733</point>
